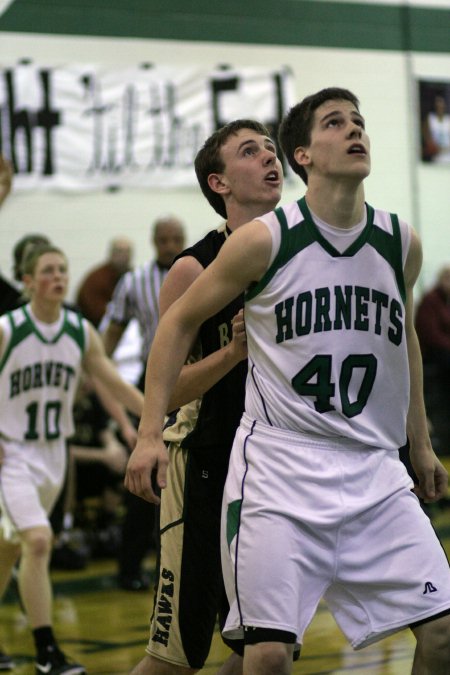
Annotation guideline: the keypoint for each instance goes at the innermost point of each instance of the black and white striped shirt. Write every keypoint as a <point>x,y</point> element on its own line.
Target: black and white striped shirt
<point>137,296</point>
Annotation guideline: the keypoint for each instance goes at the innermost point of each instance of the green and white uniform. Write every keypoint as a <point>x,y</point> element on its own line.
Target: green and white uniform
<point>39,371</point>
<point>328,355</point>
<point>316,499</point>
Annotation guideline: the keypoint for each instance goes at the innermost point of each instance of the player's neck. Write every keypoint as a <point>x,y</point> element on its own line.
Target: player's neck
<point>45,310</point>
<point>240,214</point>
<point>336,204</point>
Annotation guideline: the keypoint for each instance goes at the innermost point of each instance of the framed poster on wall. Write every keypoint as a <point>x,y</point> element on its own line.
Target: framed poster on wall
<point>434,101</point>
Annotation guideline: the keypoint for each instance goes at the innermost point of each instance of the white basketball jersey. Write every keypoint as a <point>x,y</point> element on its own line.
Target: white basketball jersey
<point>39,376</point>
<point>326,331</point>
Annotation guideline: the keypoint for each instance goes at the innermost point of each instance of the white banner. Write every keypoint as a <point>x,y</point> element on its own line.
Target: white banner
<point>86,127</point>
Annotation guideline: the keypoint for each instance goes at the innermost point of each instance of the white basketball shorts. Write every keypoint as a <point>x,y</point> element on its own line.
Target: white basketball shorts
<point>31,478</point>
<point>305,519</point>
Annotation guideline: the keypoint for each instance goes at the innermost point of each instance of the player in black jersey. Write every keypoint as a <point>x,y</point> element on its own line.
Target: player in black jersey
<point>241,176</point>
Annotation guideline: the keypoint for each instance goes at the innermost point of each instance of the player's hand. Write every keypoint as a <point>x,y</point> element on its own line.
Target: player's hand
<point>6,174</point>
<point>239,340</point>
<point>146,458</point>
<point>432,475</point>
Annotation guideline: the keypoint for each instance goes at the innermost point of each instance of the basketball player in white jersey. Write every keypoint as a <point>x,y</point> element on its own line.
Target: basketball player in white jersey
<point>316,502</point>
<point>43,347</point>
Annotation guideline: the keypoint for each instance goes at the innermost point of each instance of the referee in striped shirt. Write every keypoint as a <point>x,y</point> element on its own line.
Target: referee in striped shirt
<point>136,296</point>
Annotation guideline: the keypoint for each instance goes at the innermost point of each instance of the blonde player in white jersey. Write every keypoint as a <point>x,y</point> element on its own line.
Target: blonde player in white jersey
<point>317,503</point>
<point>42,350</point>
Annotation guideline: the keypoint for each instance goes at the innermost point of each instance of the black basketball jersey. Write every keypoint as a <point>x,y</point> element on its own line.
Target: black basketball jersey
<point>222,406</point>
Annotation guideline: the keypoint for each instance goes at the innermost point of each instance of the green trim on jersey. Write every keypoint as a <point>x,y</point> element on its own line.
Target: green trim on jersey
<point>233,518</point>
<point>389,246</point>
<point>306,232</point>
<point>20,333</point>
<point>39,334</point>
<point>75,332</point>
<point>316,233</point>
<point>292,242</point>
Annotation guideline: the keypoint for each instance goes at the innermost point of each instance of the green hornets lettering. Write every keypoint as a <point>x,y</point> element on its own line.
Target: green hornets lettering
<point>38,375</point>
<point>340,308</point>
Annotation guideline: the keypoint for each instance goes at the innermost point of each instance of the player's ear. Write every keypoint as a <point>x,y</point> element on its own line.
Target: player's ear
<point>302,156</point>
<point>218,183</point>
<point>27,279</point>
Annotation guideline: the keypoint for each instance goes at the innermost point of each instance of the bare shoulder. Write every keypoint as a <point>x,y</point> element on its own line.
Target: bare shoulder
<point>181,275</point>
<point>255,232</point>
<point>186,267</point>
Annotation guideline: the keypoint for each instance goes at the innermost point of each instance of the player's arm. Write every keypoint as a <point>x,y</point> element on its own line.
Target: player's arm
<point>112,453</point>
<point>111,336</point>
<point>243,259</point>
<point>433,478</point>
<point>99,365</point>
<point>196,378</point>
<point>116,411</point>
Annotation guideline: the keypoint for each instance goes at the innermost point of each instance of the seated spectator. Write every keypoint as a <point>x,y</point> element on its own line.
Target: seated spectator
<point>137,297</point>
<point>99,460</point>
<point>433,330</point>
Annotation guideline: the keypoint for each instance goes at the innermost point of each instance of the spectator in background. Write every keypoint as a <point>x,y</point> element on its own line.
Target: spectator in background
<point>436,132</point>
<point>97,287</point>
<point>433,330</point>
<point>95,494</point>
<point>137,297</point>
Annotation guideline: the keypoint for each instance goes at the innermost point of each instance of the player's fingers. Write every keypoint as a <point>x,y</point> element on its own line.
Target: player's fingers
<point>441,485</point>
<point>140,485</point>
<point>428,487</point>
<point>161,474</point>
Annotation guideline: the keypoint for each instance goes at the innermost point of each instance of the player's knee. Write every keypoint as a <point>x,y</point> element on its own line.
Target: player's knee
<point>440,642</point>
<point>37,542</point>
<point>433,644</point>
<point>267,658</point>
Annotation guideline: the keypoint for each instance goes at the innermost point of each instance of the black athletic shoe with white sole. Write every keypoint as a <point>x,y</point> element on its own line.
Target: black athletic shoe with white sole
<point>54,662</point>
<point>6,662</point>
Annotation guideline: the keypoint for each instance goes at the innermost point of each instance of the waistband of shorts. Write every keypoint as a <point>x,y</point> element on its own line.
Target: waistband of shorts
<point>323,442</point>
